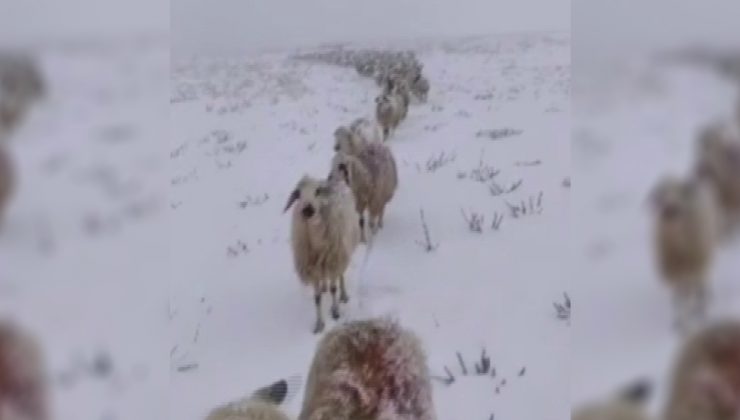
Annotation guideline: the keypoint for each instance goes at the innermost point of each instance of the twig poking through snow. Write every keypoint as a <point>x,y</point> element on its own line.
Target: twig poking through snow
<point>497,219</point>
<point>531,206</point>
<point>498,133</point>
<point>485,364</point>
<point>436,162</point>
<point>563,309</point>
<point>427,245</point>
<point>475,221</point>
<point>497,189</point>
<point>462,364</point>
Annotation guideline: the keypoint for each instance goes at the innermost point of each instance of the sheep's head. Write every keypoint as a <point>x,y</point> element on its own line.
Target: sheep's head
<point>673,197</point>
<point>344,140</point>
<point>310,193</point>
<point>716,378</point>
<point>341,166</point>
<point>718,149</point>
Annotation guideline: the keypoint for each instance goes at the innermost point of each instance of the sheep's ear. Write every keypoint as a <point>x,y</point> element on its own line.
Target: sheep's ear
<point>638,392</point>
<point>274,393</point>
<point>295,195</point>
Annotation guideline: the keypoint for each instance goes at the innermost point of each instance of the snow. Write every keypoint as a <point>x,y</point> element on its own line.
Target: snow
<point>631,125</point>
<point>239,316</point>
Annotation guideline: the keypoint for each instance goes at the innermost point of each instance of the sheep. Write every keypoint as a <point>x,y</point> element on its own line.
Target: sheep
<point>368,369</point>
<point>263,404</point>
<point>705,383</point>
<point>354,173</point>
<point>347,141</point>
<point>367,130</point>
<point>684,240</point>
<point>628,404</point>
<point>373,176</point>
<point>398,85</point>
<point>718,161</point>
<point>7,182</point>
<point>23,388</point>
<point>389,112</point>
<point>420,87</point>
<point>325,232</point>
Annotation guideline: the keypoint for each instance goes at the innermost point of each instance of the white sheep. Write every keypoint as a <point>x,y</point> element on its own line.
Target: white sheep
<point>325,233</point>
<point>7,182</point>
<point>399,84</point>
<point>368,369</point>
<point>369,131</point>
<point>389,112</point>
<point>420,87</point>
<point>705,383</point>
<point>372,175</point>
<point>718,160</point>
<point>347,141</point>
<point>685,236</point>
<point>23,386</point>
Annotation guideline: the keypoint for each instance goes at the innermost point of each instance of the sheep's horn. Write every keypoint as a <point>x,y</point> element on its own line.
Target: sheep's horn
<point>293,197</point>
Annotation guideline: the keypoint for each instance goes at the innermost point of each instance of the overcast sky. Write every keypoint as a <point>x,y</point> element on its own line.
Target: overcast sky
<point>250,24</point>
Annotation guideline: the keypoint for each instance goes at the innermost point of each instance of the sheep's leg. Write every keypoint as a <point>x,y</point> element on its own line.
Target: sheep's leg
<point>386,132</point>
<point>681,314</point>
<point>363,239</point>
<point>317,301</point>
<point>334,302</point>
<point>380,217</point>
<point>343,296</point>
<point>701,298</point>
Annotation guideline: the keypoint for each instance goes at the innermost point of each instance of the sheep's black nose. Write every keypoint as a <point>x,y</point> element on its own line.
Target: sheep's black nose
<point>308,211</point>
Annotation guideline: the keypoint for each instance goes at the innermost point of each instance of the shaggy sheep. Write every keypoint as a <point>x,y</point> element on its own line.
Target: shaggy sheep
<point>685,235</point>
<point>347,141</point>
<point>389,112</point>
<point>718,161</point>
<point>398,85</point>
<point>373,176</point>
<point>325,233</point>
<point>23,393</point>
<point>626,405</point>
<point>7,182</point>
<point>353,172</point>
<point>367,130</point>
<point>369,369</point>
<point>261,405</point>
<point>706,376</point>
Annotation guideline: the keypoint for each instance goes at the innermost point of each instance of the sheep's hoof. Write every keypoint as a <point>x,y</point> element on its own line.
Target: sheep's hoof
<point>335,312</point>
<point>319,327</point>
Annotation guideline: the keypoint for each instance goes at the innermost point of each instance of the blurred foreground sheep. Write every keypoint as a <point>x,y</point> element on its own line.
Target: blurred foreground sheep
<point>369,370</point>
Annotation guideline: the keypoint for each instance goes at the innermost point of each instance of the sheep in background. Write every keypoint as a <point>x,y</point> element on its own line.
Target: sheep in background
<point>367,130</point>
<point>718,161</point>
<point>7,182</point>
<point>684,235</point>
<point>373,176</point>
<point>350,169</point>
<point>325,232</point>
<point>21,84</point>
<point>263,404</point>
<point>23,391</point>
<point>398,85</point>
<point>706,375</point>
<point>420,87</point>
<point>347,141</point>
<point>369,369</point>
<point>628,404</point>
<point>389,112</point>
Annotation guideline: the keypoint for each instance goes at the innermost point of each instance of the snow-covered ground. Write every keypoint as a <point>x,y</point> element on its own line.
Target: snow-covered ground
<point>81,255</point>
<point>633,123</point>
<point>245,129</point>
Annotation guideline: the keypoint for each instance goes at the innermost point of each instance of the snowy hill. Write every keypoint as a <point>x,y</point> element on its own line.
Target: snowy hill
<point>247,128</point>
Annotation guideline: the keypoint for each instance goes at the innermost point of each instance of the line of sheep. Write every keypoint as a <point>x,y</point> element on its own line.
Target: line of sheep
<point>369,369</point>
<point>329,214</point>
<point>695,215</point>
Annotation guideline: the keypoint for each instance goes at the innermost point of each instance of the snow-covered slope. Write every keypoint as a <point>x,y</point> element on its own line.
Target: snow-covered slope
<point>245,129</point>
